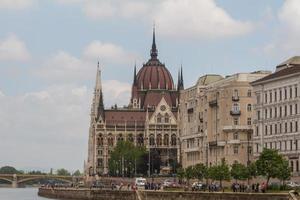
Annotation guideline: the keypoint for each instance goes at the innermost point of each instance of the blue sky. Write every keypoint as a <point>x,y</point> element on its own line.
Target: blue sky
<point>49,50</point>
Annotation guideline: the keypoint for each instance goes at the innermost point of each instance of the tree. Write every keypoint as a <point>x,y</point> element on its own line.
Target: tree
<point>200,171</point>
<point>220,172</point>
<point>9,170</point>
<point>63,172</point>
<point>252,170</point>
<point>268,163</point>
<point>239,171</point>
<point>180,174</point>
<point>189,173</point>
<point>76,173</point>
<point>284,171</point>
<point>126,158</point>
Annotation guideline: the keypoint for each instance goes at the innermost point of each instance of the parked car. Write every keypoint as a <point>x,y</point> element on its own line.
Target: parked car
<point>168,183</point>
<point>140,182</point>
<point>292,184</point>
<point>197,186</point>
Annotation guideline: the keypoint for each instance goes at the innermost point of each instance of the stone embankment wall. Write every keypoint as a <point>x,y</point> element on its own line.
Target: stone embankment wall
<point>86,194</point>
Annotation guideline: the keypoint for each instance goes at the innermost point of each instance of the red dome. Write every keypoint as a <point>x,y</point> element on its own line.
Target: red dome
<point>154,75</point>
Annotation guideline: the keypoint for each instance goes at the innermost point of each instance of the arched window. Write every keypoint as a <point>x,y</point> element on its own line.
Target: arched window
<point>120,137</point>
<point>235,107</point>
<point>151,140</point>
<point>130,138</point>
<point>110,140</point>
<point>166,140</point>
<point>159,118</point>
<point>140,140</point>
<point>100,140</point>
<point>173,140</point>
<point>167,118</point>
<point>158,140</point>
<point>249,107</point>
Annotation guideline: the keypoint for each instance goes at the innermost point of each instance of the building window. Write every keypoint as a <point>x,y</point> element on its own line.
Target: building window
<point>266,114</point>
<point>258,98</point>
<point>280,128</point>
<point>235,149</point>
<point>249,121</point>
<point>235,121</point>
<point>291,109</point>
<point>271,129</point>
<point>166,118</point>
<point>236,93</point>
<point>258,115</point>
<point>297,165</point>
<point>257,131</point>
<point>276,131</point>
<point>291,145</point>
<point>291,127</point>
<point>151,140</point>
<point>275,96</point>
<point>285,110</point>
<point>159,140</point>
<point>271,113</point>
<point>285,93</point>
<point>285,127</point>
<point>280,111</point>
<point>235,136</point>
<point>275,112</point>
<point>296,109</point>
<point>249,107</point>
<point>280,95</point>
<point>159,119</point>
<point>249,93</point>
<point>266,130</point>
<point>266,98</point>
<point>296,91</point>
<point>235,107</point>
<point>291,92</point>
<point>173,140</point>
<point>271,97</point>
<point>166,140</point>
<point>296,126</point>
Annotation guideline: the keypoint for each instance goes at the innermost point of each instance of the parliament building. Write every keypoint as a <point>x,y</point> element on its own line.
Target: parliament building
<point>151,118</point>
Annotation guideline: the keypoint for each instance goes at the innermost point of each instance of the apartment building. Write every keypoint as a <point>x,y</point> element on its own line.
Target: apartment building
<point>277,101</point>
<point>216,119</point>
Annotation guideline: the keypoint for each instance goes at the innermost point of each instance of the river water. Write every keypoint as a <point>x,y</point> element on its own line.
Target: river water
<point>20,194</point>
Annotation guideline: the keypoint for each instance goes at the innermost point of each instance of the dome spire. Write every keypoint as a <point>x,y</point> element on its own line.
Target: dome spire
<point>153,49</point>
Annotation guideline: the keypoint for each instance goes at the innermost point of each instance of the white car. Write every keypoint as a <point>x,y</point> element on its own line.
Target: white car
<point>140,182</point>
<point>292,184</point>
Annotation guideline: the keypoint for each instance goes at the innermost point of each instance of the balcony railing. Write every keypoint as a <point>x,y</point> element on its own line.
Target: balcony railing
<point>235,112</point>
<point>235,98</point>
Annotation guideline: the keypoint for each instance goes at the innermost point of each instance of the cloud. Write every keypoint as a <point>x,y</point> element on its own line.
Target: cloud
<point>16,4</point>
<point>198,19</point>
<point>116,92</point>
<point>285,39</point>
<point>108,52</point>
<point>175,18</point>
<point>51,124</point>
<point>13,49</point>
<point>65,68</point>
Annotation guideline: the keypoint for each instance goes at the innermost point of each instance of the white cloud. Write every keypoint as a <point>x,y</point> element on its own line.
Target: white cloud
<point>16,4</point>
<point>51,125</point>
<point>285,41</point>
<point>13,49</point>
<point>198,19</point>
<point>64,67</point>
<point>116,92</point>
<point>176,18</point>
<point>108,52</point>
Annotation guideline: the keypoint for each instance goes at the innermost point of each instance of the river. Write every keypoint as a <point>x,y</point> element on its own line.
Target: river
<point>20,194</point>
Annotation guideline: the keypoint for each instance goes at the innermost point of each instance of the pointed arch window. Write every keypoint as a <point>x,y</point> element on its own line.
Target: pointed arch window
<point>173,140</point>
<point>159,118</point>
<point>151,140</point>
<point>159,140</point>
<point>166,140</point>
<point>167,118</point>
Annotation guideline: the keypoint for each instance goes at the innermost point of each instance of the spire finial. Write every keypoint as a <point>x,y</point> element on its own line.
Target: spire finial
<point>134,76</point>
<point>153,49</point>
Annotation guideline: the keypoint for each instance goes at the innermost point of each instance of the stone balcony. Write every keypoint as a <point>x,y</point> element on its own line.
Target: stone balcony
<point>237,128</point>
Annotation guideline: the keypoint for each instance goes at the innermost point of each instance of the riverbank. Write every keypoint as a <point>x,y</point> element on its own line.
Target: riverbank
<point>96,194</point>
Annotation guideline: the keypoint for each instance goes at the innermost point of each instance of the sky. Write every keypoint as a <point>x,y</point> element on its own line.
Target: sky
<point>49,51</point>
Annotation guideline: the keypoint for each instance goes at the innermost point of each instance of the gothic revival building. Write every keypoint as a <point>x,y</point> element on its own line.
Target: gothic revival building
<point>150,120</point>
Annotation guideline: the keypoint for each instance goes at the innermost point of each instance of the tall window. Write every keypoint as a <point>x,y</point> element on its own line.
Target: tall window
<point>275,112</point>
<point>285,110</point>
<point>159,140</point>
<point>166,140</point>
<point>159,118</point>
<point>275,96</point>
<point>166,118</point>
<point>296,91</point>
<point>151,140</point>
<point>280,95</point>
<point>291,92</point>
<point>291,109</point>
<point>296,126</point>
<point>235,136</point>
<point>249,93</point>
<point>235,107</point>
<point>235,93</point>
<point>235,149</point>
<point>258,115</point>
<point>291,127</point>
<point>249,107</point>
<point>296,109</point>
<point>173,140</point>
<point>271,97</point>
<point>235,121</point>
<point>249,121</point>
<point>285,127</point>
<point>285,93</point>
<point>266,98</point>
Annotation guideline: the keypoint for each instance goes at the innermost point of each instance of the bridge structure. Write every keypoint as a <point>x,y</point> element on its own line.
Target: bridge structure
<point>16,179</point>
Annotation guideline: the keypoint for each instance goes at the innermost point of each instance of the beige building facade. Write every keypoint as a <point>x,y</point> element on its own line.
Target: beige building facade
<point>216,119</point>
<point>277,112</point>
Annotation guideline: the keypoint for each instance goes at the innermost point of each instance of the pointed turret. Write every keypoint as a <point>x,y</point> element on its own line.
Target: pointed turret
<point>134,75</point>
<point>153,52</point>
<point>98,98</point>
<point>180,85</point>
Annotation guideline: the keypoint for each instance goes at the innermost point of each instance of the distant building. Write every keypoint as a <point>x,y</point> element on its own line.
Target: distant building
<point>277,101</point>
<point>216,119</point>
<point>150,120</point>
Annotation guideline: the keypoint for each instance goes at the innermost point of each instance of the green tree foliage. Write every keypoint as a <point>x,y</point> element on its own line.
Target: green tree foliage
<point>189,173</point>
<point>220,172</point>
<point>33,172</point>
<point>180,174</point>
<point>126,158</point>
<point>9,170</point>
<point>76,173</point>
<point>239,171</point>
<point>284,171</point>
<point>200,171</point>
<point>271,165</point>
<point>252,170</point>
<point>63,172</point>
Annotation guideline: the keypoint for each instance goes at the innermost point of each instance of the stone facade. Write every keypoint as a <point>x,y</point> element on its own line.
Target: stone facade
<point>150,119</point>
<point>277,101</point>
<point>216,119</point>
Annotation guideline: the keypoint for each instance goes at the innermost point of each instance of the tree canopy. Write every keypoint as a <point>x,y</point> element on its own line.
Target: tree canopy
<point>9,170</point>
<point>63,172</point>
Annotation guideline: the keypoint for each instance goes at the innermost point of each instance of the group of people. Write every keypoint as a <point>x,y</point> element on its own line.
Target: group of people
<point>255,187</point>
